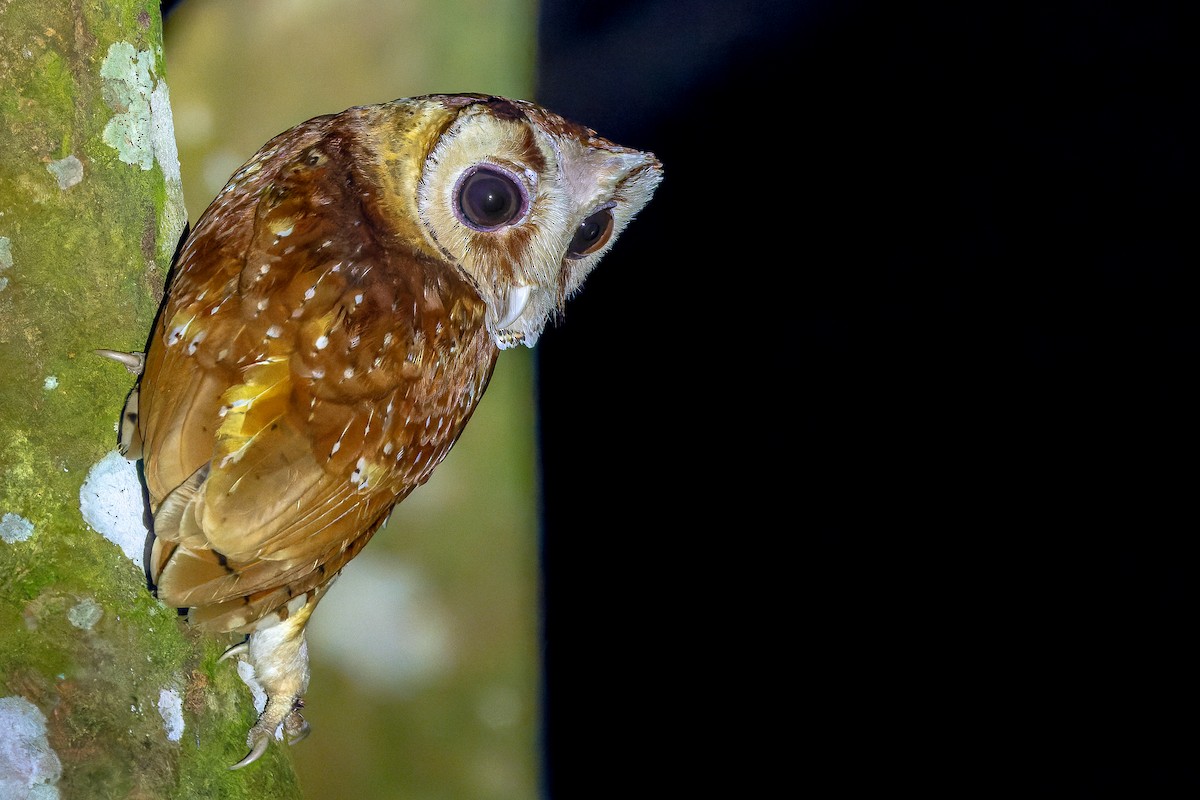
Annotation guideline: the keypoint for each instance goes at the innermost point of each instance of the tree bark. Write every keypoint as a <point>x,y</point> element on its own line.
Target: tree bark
<point>104,692</point>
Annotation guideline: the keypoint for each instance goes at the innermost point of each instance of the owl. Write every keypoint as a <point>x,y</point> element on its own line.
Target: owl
<point>329,326</point>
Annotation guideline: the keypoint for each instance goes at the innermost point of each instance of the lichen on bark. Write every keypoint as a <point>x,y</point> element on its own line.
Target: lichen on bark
<point>131,702</point>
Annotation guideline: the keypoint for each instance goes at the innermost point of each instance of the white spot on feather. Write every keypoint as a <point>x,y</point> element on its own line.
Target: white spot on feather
<point>358,477</point>
<point>194,344</point>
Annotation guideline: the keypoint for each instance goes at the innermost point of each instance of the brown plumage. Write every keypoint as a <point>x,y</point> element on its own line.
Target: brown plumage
<point>330,325</point>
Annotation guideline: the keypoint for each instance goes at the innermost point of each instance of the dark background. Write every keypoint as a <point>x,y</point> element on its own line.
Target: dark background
<point>869,452</point>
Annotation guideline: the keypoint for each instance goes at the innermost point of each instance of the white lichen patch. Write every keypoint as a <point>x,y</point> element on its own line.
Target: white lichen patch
<point>29,768</point>
<point>142,130</point>
<point>162,133</point>
<point>6,259</point>
<point>67,171</point>
<point>127,86</point>
<point>85,614</point>
<point>110,501</point>
<point>166,153</point>
<point>15,528</point>
<point>50,383</point>
<point>170,707</point>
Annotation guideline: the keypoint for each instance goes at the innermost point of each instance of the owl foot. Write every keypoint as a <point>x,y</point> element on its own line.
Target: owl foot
<point>279,711</point>
<point>279,656</point>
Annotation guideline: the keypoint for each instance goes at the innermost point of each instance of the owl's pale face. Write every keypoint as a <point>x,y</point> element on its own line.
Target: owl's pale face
<point>332,322</point>
<point>522,200</point>
<point>525,202</point>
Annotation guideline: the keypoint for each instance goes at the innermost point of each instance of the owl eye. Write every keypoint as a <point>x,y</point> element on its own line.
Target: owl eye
<point>489,198</point>
<point>592,234</point>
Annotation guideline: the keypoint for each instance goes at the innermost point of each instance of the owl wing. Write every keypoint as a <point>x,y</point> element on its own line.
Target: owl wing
<point>317,374</point>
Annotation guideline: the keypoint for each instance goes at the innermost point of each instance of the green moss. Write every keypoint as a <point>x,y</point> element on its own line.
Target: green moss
<point>80,636</point>
<point>52,86</point>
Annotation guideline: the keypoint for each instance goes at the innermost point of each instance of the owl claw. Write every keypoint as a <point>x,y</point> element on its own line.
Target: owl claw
<point>296,727</point>
<point>258,745</point>
<point>134,362</point>
<point>233,652</point>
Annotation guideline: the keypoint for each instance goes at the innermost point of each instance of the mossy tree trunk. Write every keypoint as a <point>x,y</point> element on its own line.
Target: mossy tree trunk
<point>104,693</point>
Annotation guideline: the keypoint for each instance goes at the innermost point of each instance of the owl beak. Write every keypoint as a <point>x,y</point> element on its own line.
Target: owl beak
<point>515,302</point>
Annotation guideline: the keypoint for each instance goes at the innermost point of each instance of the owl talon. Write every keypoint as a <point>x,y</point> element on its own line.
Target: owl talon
<point>134,362</point>
<point>296,727</point>
<point>241,648</point>
<point>258,741</point>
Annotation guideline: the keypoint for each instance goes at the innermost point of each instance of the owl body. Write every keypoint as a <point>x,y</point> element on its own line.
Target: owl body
<point>329,327</point>
<point>327,361</point>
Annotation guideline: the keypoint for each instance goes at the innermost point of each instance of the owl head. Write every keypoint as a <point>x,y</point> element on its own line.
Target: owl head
<point>523,201</point>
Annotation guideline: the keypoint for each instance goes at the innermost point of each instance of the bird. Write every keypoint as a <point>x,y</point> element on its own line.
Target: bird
<point>329,326</point>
